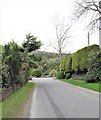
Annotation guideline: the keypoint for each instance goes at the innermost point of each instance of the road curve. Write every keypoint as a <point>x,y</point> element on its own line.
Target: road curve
<point>56,99</point>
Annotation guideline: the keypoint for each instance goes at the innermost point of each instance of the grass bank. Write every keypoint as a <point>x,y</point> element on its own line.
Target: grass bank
<point>11,104</point>
<point>92,86</point>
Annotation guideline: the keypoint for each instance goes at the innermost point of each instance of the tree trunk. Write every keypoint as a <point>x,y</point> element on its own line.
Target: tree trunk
<point>60,57</point>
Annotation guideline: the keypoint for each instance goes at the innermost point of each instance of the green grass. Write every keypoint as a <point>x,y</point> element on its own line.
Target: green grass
<point>92,86</point>
<point>12,103</point>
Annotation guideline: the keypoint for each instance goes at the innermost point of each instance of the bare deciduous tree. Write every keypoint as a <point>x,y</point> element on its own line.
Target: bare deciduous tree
<point>84,7</point>
<point>62,32</point>
<point>90,7</point>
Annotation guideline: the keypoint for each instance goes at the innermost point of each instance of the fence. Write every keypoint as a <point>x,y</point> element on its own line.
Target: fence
<point>10,90</point>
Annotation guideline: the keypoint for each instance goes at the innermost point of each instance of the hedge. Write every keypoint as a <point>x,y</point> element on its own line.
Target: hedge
<point>79,60</point>
<point>66,64</point>
<point>60,75</point>
<point>63,65</point>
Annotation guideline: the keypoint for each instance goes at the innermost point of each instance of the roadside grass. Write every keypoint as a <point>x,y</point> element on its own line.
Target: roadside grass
<point>92,86</point>
<point>11,105</point>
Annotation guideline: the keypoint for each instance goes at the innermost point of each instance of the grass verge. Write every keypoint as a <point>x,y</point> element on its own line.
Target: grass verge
<point>11,104</point>
<point>92,86</point>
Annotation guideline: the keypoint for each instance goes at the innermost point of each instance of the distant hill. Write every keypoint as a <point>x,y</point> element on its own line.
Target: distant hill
<point>47,55</point>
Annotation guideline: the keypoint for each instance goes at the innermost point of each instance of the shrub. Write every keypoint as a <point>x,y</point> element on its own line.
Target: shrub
<point>93,75</point>
<point>60,75</point>
<point>68,75</point>
<point>94,71</point>
<point>36,72</point>
<point>52,73</point>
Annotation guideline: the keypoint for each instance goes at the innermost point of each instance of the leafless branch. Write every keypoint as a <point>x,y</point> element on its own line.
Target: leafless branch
<point>84,7</point>
<point>62,31</point>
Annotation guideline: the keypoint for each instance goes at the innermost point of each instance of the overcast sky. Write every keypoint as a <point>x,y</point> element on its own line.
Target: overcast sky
<point>19,17</point>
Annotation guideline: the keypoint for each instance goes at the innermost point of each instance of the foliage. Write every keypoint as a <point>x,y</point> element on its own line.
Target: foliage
<point>63,64</point>
<point>16,61</point>
<point>52,73</point>
<point>68,75</point>
<point>80,58</point>
<point>33,64</point>
<point>36,72</point>
<point>14,65</point>
<point>46,61</point>
<point>51,64</point>
<point>67,63</point>
<point>31,43</point>
<point>24,71</point>
<point>94,71</point>
<point>82,61</point>
<point>11,64</point>
<point>60,75</point>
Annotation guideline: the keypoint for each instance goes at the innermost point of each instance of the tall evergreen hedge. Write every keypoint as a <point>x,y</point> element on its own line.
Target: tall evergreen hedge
<point>67,63</point>
<point>63,65</point>
<point>79,60</point>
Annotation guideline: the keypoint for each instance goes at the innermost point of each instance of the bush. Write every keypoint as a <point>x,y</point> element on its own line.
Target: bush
<point>52,73</point>
<point>36,72</point>
<point>93,75</point>
<point>60,75</point>
<point>68,75</point>
<point>94,71</point>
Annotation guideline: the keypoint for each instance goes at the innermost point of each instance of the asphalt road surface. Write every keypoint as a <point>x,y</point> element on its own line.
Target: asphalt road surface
<point>56,99</point>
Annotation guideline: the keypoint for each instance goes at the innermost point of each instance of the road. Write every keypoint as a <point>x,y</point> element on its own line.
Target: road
<point>56,99</point>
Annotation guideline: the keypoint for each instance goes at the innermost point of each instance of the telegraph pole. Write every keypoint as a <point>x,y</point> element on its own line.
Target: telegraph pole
<point>88,39</point>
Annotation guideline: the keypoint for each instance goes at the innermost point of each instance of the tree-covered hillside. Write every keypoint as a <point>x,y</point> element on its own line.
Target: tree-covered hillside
<point>45,61</point>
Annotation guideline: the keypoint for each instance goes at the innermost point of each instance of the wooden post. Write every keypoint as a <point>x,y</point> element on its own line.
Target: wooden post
<point>88,39</point>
